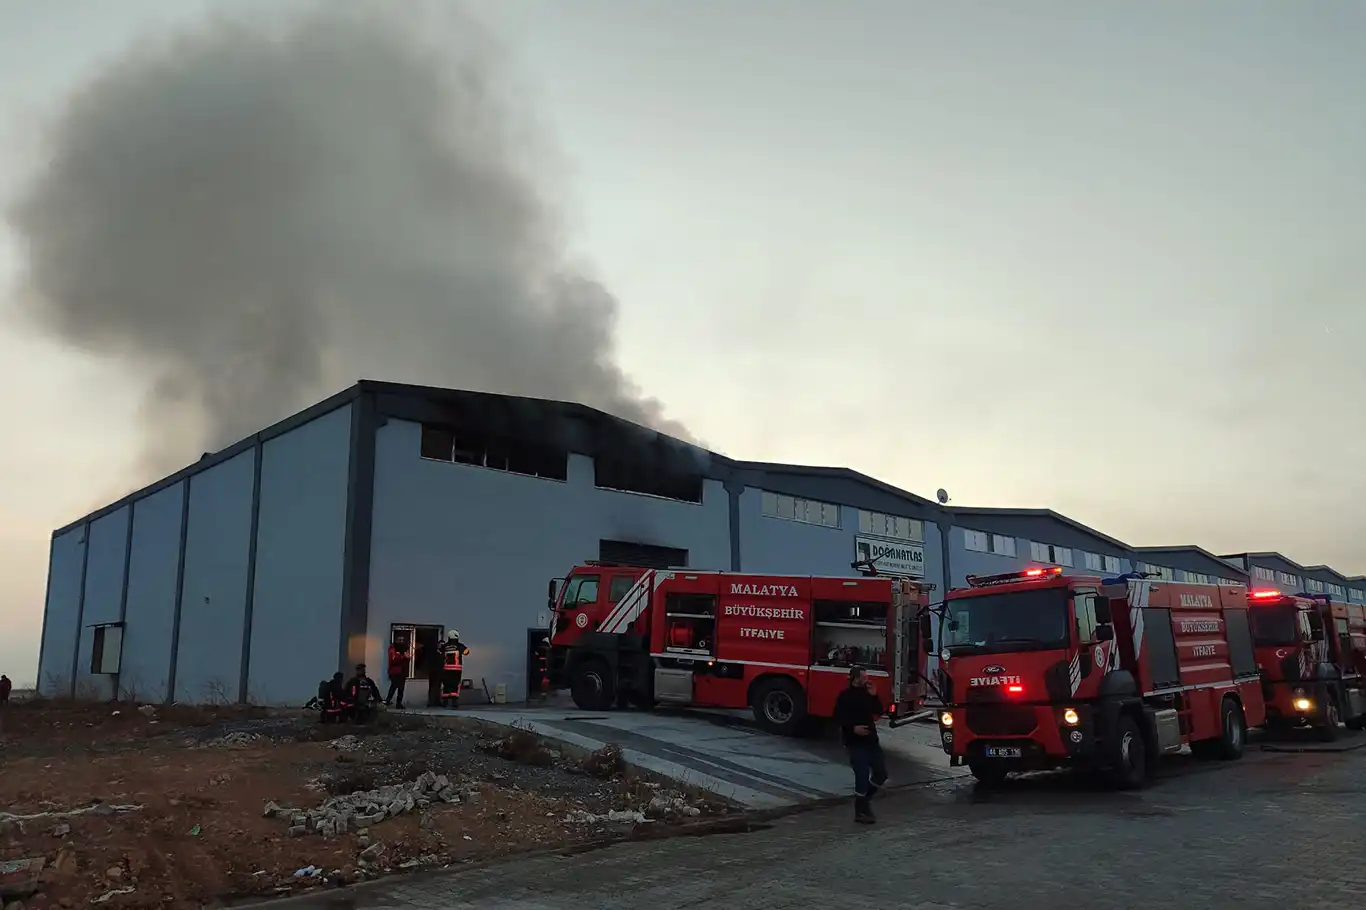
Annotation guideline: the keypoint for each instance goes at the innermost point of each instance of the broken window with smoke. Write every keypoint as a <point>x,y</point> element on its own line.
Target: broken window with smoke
<point>498,453</point>
<point>630,476</point>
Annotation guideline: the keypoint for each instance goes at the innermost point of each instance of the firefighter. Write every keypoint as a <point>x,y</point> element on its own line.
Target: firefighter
<point>857,710</point>
<point>540,668</point>
<point>362,694</point>
<point>398,672</point>
<point>5,687</point>
<point>331,700</point>
<point>453,653</point>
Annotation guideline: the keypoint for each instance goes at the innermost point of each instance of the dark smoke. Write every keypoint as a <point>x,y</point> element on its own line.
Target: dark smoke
<point>255,214</point>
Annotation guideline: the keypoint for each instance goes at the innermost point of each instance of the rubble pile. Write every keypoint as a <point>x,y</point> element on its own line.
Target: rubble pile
<point>233,740</point>
<point>340,814</point>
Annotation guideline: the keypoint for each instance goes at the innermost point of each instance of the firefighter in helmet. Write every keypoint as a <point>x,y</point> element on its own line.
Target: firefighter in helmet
<point>453,653</point>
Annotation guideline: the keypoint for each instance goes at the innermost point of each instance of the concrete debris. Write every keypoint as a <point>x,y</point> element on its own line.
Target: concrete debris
<point>94,809</point>
<point>340,814</point>
<point>147,711</point>
<point>308,872</point>
<point>61,830</point>
<point>663,805</point>
<point>110,895</point>
<point>347,743</point>
<point>615,817</point>
<point>233,740</point>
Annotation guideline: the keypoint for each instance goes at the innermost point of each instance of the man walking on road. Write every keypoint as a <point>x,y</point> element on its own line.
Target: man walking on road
<point>857,710</point>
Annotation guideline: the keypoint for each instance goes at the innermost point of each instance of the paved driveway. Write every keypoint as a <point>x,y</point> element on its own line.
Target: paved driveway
<point>725,754</point>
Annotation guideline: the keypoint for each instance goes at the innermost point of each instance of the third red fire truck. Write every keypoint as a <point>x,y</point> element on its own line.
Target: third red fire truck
<point>1046,670</point>
<point>1311,651</point>
<point>780,645</point>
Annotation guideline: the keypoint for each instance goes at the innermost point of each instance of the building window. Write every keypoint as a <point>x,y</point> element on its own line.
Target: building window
<point>1290,581</point>
<point>1112,565</point>
<point>1042,552</point>
<point>880,525</point>
<point>1358,595</point>
<point>1195,578</point>
<point>1314,585</point>
<point>1062,556</point>
<point>976,541</point>
<point>1229,581</point>
<point>807,511</point>
<point>646,477</point>
<point>1002,545</point>
<point>1092,561</point>
<point>1162,572</point>
<point>498,454</point>
<point>1337,591</point>
<point>1263,573</point>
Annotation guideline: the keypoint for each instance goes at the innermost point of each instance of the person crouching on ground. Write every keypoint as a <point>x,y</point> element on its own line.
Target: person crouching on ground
<point>363,694</point>
<point>857,710</point>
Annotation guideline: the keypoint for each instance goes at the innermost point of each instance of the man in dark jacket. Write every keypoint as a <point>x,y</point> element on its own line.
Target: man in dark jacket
<point>362,694</point>
<point>857,710</point>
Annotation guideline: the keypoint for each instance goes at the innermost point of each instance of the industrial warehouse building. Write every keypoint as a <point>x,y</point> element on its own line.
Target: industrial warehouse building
<point>403,510</point>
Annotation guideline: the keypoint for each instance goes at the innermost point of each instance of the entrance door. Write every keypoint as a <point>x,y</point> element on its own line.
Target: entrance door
<point>424,657</point>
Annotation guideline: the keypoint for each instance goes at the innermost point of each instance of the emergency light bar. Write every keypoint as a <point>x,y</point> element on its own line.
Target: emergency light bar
<point>1008,578</point>
<point>1263,595</point>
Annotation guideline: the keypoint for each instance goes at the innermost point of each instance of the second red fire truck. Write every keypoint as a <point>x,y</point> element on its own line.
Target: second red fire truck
<point>780,645</point>
<point>1312,651</point>
<point>1045,670</point>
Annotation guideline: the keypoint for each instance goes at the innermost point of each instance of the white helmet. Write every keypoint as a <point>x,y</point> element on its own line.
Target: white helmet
<point>452,635</point>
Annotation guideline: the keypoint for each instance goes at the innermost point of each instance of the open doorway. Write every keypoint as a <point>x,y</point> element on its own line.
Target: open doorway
<point>422,645</point>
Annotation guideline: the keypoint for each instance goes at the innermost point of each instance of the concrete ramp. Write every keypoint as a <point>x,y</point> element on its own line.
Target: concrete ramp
<point>722,753</point>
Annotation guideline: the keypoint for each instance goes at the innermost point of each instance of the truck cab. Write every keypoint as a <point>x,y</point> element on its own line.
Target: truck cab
<point>1309,652</point>
<point>580,602</point>
<point>1024,653</point>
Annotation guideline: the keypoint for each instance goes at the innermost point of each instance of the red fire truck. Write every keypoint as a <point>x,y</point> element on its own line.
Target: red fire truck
<point>780,645</point>
<point>1046,670</point>
<point>1311,652</point>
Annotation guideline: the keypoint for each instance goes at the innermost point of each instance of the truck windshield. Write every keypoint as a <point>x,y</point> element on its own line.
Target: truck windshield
<point>1274,625</point>
<point>1002,623</point>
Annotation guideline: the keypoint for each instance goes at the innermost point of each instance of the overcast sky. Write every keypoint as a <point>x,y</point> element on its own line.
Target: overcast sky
<point>1106,258</point>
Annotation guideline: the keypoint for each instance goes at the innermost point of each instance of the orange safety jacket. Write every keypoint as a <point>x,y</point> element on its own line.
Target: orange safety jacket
<point>454,653</point>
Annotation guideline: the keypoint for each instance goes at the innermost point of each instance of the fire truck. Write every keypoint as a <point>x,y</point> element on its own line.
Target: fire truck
<point>1311,651</point>
<point>779,645</point>
<point>1046,670</point>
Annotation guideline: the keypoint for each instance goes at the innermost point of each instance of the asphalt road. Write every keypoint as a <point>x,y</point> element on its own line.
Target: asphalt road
<point>1274,830</point>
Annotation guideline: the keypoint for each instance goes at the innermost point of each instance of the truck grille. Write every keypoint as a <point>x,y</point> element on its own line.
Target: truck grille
<point>1001,720</point>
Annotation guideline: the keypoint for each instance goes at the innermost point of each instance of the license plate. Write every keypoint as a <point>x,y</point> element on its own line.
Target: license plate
<point>1004,752</point>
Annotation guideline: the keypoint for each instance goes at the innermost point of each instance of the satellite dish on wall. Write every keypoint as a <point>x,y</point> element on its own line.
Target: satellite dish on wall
<point>942,495</point>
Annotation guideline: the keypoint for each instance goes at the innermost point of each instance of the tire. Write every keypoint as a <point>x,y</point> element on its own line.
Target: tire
<point>988,773</point>
<point>1327,727</point>
<point>592,687</point>
<point>779,706</point>
<point>1128,756</point>
<point>1232,730</point>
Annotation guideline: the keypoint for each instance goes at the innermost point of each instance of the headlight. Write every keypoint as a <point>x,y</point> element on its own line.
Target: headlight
<point>1303,704</point>
<point>945,719</point>
<point>1070,717</point>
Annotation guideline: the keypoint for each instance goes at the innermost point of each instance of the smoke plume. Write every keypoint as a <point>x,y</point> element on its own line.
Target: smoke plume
<point>253,214</point>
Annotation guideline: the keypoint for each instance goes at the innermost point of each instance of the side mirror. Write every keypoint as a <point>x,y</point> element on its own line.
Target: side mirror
<point>1105,632</point>
<point>1103,617</point>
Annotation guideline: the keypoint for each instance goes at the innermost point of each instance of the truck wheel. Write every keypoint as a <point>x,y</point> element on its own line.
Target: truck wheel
<point>593,688</point>
<point>779,706</point>
<point>988,773</point>
<point>1232,730</point>
<point>1128,756</point>
<point>1328,722</point>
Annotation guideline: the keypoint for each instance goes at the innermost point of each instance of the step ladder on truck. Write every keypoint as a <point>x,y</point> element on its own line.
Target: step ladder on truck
<point>1046,670</point>
<point>779,645</point>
